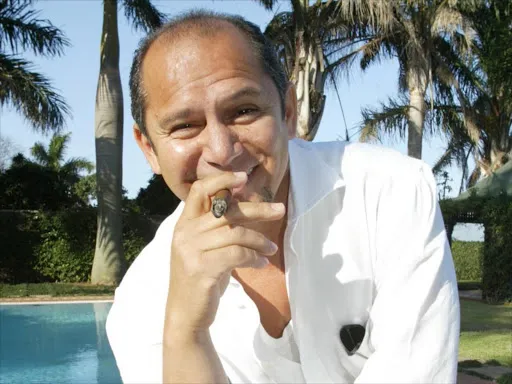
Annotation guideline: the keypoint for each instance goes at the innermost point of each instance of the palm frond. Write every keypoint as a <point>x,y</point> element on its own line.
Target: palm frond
<point>57,148</point>
<point>22,30</point>
<point>76,165</point>
<point>378,14</point>
<point>143,15</point>
<point>267,4</point>
<point>443,162</point>
<point>388,120</point>
<point>31,94</point>
<point>39,153</point>
<point>474,177</point>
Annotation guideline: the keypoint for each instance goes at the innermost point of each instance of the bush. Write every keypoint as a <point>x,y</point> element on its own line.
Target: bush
<point>67,247</point>
<point>467,256</point>
<point>497,260</point>
<point>496,215</point>
<point>19,236</point>
<point>59,246</point>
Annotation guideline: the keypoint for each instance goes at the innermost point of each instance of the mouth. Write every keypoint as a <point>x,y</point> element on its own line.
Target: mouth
<point>238,192</point>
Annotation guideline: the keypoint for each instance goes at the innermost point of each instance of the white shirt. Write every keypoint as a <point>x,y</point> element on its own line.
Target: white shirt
<point>365,244</point>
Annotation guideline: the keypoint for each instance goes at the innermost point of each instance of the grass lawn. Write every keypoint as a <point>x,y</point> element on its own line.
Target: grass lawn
<point>54,289</point>
<point>486,332</point>
<point>488,347</point>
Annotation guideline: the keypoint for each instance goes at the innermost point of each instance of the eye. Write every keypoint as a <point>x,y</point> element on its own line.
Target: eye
<point>182,126</point>
<point>185,130</point>
<point>246,111</point>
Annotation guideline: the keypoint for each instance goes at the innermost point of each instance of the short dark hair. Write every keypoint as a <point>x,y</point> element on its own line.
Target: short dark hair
<point>204,22</point>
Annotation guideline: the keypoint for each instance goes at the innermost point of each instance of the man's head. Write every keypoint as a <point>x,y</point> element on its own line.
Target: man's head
<point>209,95</point>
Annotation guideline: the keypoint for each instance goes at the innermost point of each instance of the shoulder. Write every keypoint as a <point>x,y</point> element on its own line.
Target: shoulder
<point>361,162</point>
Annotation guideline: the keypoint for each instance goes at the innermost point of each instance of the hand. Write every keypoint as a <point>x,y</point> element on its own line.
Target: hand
<point>205,250</point>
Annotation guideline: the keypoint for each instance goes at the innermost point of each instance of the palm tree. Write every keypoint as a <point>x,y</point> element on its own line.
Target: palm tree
<point>484,90</point>
<point>52,157</point>
<point>418,33</point>
<point>28,92</point>
<point>313,42</point>
<point>109,264</point>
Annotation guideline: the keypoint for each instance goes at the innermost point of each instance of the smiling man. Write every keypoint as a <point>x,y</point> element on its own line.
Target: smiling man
<point>331,264</point>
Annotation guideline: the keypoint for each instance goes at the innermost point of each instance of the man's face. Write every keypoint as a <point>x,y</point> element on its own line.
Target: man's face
<point>210,108</point>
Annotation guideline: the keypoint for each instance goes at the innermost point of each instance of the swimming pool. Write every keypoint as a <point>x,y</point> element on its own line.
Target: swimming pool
<point>56,343</point>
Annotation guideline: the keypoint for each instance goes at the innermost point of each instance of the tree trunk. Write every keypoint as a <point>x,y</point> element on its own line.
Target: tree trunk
<point>417,85</point>
<point>109,263</point>
<point>309,79</point>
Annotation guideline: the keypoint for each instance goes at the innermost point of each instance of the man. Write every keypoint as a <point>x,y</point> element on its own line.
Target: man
<point>331,264</point>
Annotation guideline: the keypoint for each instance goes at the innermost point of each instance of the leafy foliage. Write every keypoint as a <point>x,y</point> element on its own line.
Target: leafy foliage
<point>58,246</point>
<point>47,182</point>
<point>29,92</point>
<point>156,198</point>
<point>421,35</point>
<point>467,256</point>
<point>497,262</point>
<point>496,215</point>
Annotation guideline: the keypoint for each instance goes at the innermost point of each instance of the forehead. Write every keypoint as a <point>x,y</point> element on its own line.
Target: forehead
<point>173,62</point>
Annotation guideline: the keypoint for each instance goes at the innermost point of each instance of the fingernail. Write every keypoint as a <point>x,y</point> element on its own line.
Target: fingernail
<point>262,262</point>
<point>240,175</point>
<point>277,206</point>
<point>273,246</point>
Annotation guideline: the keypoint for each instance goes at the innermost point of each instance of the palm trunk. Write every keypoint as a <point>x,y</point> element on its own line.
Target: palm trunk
<point>417,85</point>
<point>309,79</point>
<point>109,264</point>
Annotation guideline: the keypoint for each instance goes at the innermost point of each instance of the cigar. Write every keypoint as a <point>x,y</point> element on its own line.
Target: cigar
<point>220,202</point>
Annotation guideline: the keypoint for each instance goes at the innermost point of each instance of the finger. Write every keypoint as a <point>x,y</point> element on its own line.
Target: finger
<point>199,198</point>
<point>240,213</point>
<point>239,235</point>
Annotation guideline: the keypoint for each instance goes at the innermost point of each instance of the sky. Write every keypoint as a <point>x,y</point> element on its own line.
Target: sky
<point>75,76</point>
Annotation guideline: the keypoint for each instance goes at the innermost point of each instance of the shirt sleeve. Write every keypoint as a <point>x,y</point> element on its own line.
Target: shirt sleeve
<point>415,318</point>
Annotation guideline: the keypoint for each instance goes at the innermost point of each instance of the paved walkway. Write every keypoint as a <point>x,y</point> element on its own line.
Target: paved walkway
<point>471,295</point>
<point>463,378</point>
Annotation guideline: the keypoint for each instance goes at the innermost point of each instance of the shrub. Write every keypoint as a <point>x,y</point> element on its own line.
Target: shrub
<point>67,247</point>
<point>467,256</point>
<point>19,236</point>
<point>59,246</point>
<point>496,215</point>
<point>497,260</point>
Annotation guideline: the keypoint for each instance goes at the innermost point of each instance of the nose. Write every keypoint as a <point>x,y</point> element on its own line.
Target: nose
<point>222,146</point>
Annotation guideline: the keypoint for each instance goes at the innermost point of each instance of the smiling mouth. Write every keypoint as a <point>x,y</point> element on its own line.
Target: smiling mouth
<point>250,170</point>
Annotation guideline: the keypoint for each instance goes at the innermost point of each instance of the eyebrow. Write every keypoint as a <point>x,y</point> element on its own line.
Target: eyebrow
<point>182,114</point>
<point>185,113</point>
<point>246,91</point>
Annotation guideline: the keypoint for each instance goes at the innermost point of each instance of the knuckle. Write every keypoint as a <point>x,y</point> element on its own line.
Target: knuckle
<point>197,188</point>
<point>238,232</point>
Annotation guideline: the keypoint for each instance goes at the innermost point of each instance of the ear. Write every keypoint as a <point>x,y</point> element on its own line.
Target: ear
<point>146,146</point>
<point>290,112</point>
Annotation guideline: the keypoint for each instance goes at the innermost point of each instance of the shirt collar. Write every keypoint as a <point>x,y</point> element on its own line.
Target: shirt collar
<point>311,177</point>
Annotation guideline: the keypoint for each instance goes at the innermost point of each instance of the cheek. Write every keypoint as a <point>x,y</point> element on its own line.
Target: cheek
<point>179,164</point>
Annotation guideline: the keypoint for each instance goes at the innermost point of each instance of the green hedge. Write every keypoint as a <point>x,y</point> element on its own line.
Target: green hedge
<point>497,260</point>
<point>59,246</point>
<point>496,215</point>
<point>467,256</point>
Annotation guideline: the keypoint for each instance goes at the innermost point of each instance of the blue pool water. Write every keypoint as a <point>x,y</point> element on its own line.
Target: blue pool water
<point>56,343</point>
